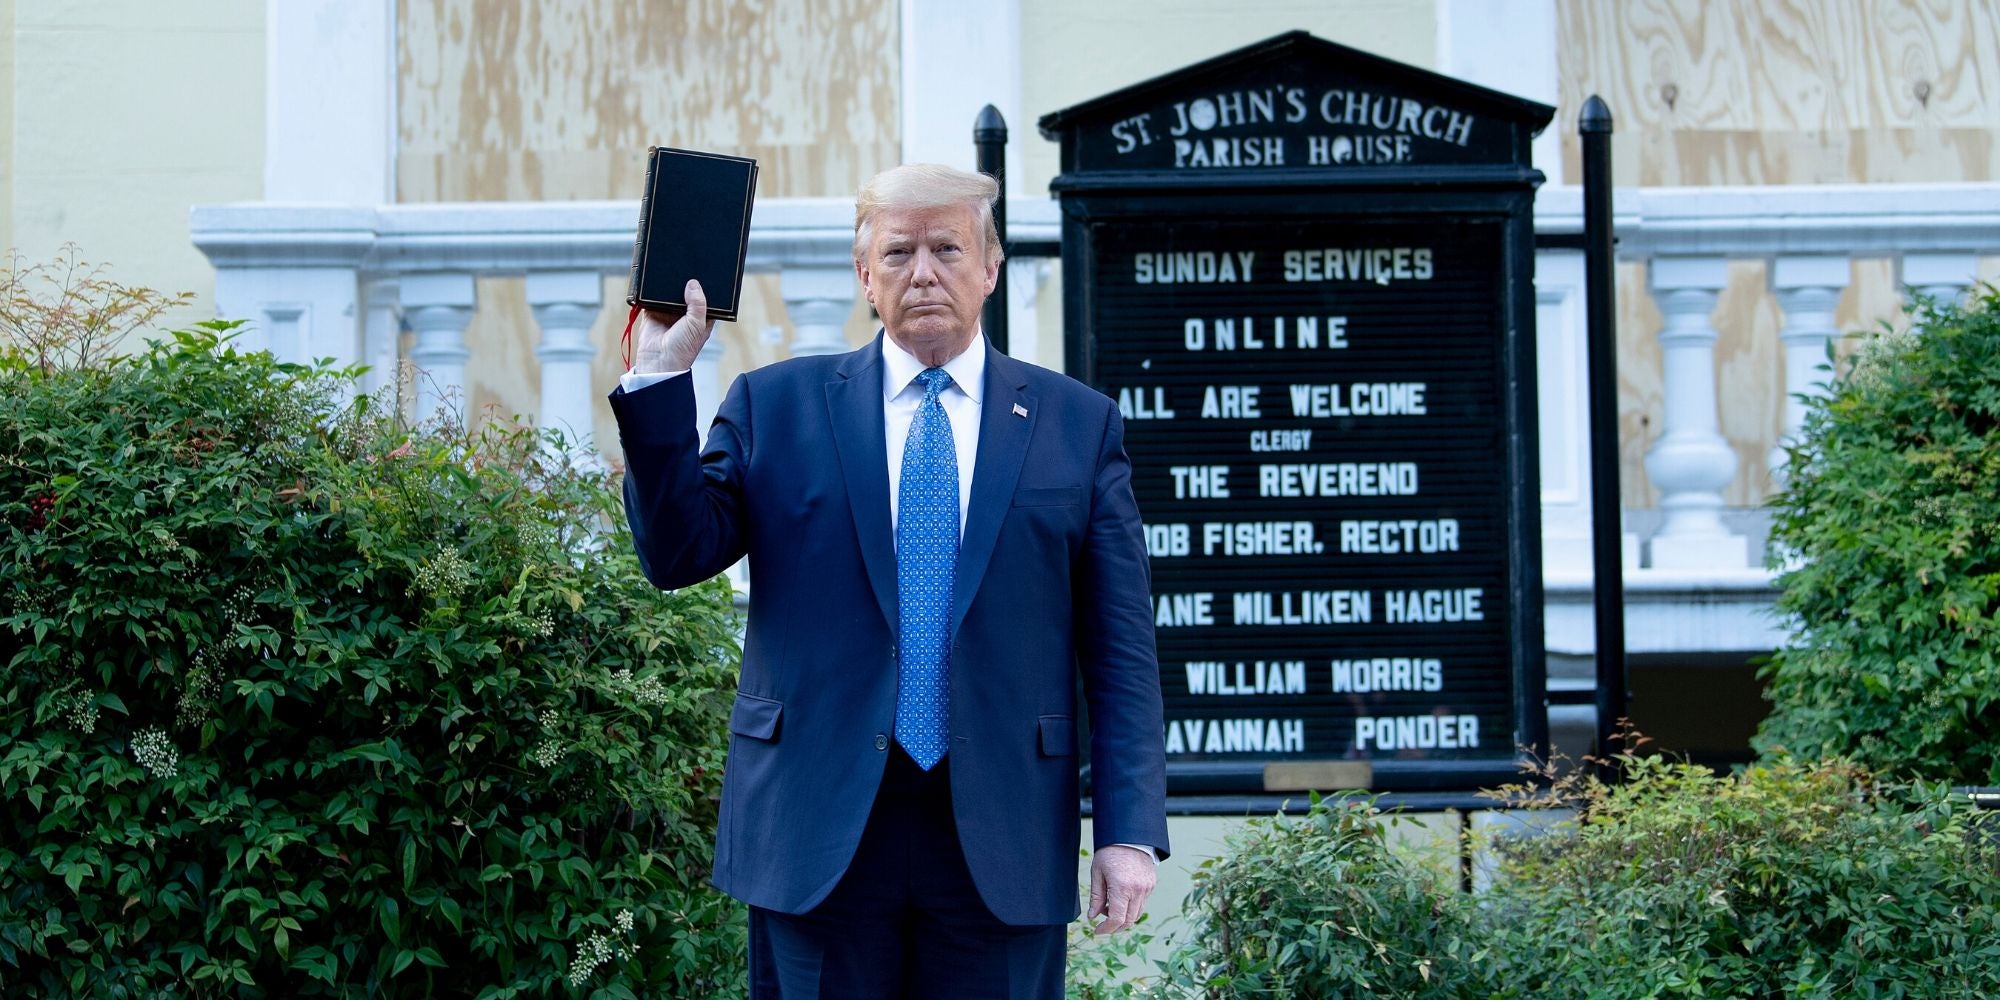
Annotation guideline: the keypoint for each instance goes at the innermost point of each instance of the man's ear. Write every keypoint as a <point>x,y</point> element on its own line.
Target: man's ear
<point>993,274</point>
<point>861,275</point>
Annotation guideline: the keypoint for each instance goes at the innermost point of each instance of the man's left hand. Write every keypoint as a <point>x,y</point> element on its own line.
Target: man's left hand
<point>1120,880</point>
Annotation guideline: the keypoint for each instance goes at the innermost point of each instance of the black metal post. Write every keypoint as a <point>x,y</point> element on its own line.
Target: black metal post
<point>989,141</point>
<point>1607,527</point>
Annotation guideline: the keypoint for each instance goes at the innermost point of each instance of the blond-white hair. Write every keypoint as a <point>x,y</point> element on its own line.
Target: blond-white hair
<point>926,185</point>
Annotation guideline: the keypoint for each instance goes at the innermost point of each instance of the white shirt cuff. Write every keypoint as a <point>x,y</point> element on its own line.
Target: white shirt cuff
<point>635,381</point>
<point>1150,852</point>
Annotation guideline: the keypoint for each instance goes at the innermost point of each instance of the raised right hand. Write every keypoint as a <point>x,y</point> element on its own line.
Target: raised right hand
<point>668,340</point>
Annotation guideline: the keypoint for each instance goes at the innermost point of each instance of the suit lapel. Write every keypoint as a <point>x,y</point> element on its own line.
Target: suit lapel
<point>1003,445</point>
<point>854,406</point>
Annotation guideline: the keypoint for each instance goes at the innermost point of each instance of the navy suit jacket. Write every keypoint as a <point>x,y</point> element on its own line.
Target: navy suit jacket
<point>1052,583</point>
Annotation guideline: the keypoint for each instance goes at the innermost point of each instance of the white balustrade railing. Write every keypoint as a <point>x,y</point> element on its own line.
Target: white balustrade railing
<point>343,282</point>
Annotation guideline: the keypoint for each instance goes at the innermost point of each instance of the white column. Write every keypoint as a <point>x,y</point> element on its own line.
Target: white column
<point>818,300</point>
<point>1808,288</point>
<point>1510,47</point>
<point>957,58</point>
<point>1691,462</point>
<point>1942,276</point>
<point>329,103</point>
<point>565,304</point>
<point>1025,278</point>
<point>438,307</point>
<point>1563,414</point>
<point>381,334</point>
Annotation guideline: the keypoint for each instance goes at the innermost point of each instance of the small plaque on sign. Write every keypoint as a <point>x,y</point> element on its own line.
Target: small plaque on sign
<point>1317,775</point>
<point>694,222</point>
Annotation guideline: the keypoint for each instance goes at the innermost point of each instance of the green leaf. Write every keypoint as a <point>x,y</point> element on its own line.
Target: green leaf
<point>389,918</point>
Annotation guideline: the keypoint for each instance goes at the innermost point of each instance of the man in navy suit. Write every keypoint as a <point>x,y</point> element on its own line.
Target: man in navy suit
<point>942,541</point>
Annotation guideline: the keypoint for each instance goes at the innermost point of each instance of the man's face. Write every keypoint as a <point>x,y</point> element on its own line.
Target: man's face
<point>926,273</point>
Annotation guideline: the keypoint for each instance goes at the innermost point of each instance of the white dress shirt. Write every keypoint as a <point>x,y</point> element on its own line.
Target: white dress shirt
<point>902,394</point>
<point>900,397</point>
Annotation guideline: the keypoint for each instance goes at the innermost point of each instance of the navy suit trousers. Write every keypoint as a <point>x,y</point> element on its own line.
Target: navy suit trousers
<point>906,920</point>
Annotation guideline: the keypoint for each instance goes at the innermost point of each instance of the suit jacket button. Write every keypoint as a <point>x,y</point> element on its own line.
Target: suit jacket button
<point>881,741</point>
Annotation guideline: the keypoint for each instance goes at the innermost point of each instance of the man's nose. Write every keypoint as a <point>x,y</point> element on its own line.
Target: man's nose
<point>923,270</point>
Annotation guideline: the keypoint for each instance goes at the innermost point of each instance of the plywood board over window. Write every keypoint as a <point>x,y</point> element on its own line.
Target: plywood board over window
<point>1742,92</point>
<point>1746,92</point>
<point>499,100</point>
<point>553,100</point>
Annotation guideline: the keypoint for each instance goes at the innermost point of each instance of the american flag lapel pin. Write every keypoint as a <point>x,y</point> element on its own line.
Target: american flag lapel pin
<point>1020,411</point>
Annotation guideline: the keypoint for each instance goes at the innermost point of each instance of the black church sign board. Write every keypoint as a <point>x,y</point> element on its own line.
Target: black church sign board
<point>1306,274</point>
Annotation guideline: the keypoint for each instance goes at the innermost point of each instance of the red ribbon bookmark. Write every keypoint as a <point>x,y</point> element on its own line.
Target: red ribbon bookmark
<point>625,340</point>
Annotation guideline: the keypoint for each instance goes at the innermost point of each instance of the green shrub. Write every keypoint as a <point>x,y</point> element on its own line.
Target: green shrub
<point>1890,527</point>
<point>1790,879</point>
<point>1320,906</point>
<point>1108,967</point>
<point>299,701</point>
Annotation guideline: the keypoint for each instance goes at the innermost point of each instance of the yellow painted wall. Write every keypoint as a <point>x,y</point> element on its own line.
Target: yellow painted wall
<point>1734,92</point>
<point>122,114</point>
<point>555,100</point>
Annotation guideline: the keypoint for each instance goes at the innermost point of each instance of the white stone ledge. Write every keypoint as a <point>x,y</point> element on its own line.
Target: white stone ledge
<point>511,238</point>
<point>1670,611</point>
<point>1853,219</point>
<point>514,237</point>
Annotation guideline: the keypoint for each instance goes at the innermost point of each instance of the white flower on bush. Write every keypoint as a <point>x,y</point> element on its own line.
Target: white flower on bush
<point>600,948</point>
<point>156,753</point>
<point>550,753</point>
<point>647,691</point>
<point>198,689</point>
<point>1879,358</point>
<point>445,574</point>
<point>81,711</point>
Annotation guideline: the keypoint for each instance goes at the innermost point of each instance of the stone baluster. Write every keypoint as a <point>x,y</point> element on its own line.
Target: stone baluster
<point>565,304</point>
<point>381,334</point>
<point>818,300</point>
<point>1808,287</point>
<point>1691,462</point>
<point>1942,276</point>
<point>437,308</point>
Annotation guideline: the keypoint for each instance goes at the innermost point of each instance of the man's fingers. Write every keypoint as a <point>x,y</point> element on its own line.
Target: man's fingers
<point>670,339</point>
<point>697,302</point>
<point>1117,911</point>
<point>1121,878</point>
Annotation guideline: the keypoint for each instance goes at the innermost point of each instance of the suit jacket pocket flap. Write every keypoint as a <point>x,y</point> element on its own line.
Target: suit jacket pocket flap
<point>1053,496</point>
<point>1058,736</point>
<point>755,717</point>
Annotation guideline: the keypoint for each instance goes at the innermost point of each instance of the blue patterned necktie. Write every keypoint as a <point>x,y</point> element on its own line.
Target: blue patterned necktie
<point>926,563</point>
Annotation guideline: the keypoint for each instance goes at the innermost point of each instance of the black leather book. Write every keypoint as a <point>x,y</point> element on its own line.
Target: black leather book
<point>694,222</point>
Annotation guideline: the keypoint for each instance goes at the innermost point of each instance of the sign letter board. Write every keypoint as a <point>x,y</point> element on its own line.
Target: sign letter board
<point>1305,273</point>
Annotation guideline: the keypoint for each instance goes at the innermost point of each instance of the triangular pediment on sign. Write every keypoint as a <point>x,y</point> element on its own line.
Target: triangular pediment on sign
<point>1296,101</point>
